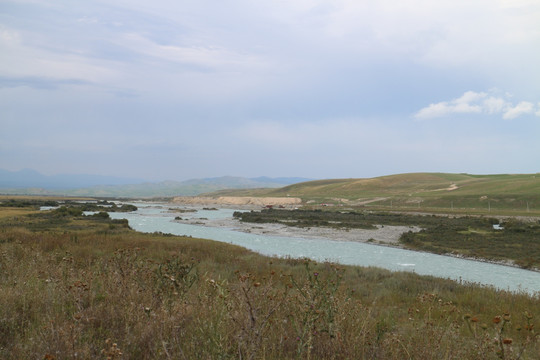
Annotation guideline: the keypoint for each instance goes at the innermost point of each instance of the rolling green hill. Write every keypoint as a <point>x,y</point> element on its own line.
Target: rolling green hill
<point>520,192</point>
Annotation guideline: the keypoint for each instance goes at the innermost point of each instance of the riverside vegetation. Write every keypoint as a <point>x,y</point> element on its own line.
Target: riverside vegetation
<point>469,236</point>
<point>76,286</point>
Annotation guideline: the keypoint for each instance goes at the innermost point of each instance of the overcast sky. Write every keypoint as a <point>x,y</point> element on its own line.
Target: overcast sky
<point>175,89</point>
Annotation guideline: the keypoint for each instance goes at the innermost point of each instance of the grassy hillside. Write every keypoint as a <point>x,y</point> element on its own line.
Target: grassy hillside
<point>518,193</point>
<point>90,288</point>
<point>418,184</point>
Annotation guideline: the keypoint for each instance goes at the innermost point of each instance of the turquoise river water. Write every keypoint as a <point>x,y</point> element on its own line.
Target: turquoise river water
<point>152,218</point>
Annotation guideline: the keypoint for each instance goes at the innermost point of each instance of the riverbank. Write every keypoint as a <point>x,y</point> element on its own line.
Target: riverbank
<point>383,235</point>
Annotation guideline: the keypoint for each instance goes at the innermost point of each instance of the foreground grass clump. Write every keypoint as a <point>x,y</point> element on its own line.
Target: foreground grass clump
<point>92,288</point>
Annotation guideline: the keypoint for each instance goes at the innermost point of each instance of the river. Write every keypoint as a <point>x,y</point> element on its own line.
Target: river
<point>156,218</point>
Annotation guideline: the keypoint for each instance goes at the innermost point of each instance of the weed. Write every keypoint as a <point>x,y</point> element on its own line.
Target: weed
<point>67,289</point>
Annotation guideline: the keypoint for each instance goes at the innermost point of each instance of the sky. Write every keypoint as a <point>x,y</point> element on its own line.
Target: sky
<point>175,89</point>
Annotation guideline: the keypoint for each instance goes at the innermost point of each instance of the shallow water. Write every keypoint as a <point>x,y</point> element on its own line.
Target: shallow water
<point>152,218</point>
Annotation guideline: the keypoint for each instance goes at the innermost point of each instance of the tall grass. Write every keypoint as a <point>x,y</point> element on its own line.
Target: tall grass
<point>70,292</point>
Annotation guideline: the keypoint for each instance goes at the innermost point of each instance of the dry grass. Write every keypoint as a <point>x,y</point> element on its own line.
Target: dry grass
<point>108,292</point>
<point>10,213</point>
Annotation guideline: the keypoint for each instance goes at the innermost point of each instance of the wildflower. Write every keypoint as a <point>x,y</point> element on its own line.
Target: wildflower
<point>474,319</point>
<point>316,274</point>
<point>507,341</point>
<point>257,284</point>
<point>496,319</point>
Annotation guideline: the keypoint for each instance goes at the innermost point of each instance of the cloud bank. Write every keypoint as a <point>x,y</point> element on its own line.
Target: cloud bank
<point>478,103</point>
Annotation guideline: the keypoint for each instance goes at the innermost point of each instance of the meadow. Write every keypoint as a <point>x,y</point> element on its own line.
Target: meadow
<point>76,287</point>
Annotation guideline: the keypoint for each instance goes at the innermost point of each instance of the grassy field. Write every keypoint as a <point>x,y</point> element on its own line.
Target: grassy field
<point>427,192</point>
<point>89,287</point>
<point>4,198</point>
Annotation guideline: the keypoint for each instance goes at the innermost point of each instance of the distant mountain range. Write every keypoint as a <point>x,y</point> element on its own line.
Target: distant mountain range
<point>28,178</point>
<point>31,182</point>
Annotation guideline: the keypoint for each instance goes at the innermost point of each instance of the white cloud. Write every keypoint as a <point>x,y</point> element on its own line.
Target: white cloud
<point>494,105</point>
<point>207,56</point>
<point>538,112</point>
<point>20,58</point>
<point>466,108</point>
<point>463,105</point>
<point>434,111</point>
<point>8,36</point>
<point>476,102</point>
<point>522,108</point>
<point>470,96</point>
<point>481,34</point>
